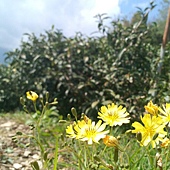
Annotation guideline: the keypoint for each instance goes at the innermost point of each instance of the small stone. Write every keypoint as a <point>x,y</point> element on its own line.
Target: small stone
<point>26,163</point>
<point>17,165</point>
<point>7,124</point>
<point>35,156</point>
<point>26,154</point>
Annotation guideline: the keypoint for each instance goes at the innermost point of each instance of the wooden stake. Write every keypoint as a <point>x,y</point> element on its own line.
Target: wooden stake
<point>167,30</point>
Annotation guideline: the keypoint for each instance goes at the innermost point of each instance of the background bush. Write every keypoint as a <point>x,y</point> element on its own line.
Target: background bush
<point>118,66</point>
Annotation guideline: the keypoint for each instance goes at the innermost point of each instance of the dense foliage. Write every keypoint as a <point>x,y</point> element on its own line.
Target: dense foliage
<point>118,66</point>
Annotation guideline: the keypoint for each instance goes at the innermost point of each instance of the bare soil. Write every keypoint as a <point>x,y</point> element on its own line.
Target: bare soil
<point>15,155</point>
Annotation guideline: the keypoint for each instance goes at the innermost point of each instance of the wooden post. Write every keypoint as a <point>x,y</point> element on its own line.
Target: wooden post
<point>164,41</point>
<point>167,30</point>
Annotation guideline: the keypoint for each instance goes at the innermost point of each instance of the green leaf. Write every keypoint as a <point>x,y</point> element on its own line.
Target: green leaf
<point>94,104</point>
<point>19,133</point>
<point>35,165</point>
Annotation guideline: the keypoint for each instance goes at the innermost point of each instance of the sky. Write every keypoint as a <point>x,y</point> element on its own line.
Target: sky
<point>70,16</point>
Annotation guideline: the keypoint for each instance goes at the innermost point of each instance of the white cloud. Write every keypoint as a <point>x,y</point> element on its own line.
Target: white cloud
<point>110,7</point>
<point>27,16</point>
<point>102,6</point>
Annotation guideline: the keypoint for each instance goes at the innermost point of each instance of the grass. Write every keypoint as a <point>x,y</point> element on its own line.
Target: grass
<point>17,116</point>
<point>63,152</point>
<point>58,151</point>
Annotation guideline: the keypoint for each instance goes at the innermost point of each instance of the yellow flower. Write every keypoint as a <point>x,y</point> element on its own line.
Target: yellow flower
<point>73,130</point>
<point>113,115</point>
<point>70,131</point>
<point>152,108</point>
<point>32,95</point>
<point>152,130</point>
<point>165,142</point>
<point>87,131</point>
<point>165,114</point>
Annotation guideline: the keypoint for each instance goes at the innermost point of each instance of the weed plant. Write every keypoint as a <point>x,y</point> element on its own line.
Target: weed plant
<point>79,143</point>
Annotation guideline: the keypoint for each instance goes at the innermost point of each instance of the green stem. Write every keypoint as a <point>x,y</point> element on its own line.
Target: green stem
<point>128,159</point>
<point>37,132</point>
<point>87,154</point>
<point>141,157</point>
<point>167,157</point>
<point>149,156</point>
<point>103,150</point>
<point>35,106</point>
<point>56,154</point>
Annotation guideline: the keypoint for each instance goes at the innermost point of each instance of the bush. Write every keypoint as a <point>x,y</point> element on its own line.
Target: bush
<point>87,72</point>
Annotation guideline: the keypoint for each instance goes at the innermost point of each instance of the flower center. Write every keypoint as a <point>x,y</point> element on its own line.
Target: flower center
<point>150,132</point>
<point>113,115</point>
<point>90,132</point>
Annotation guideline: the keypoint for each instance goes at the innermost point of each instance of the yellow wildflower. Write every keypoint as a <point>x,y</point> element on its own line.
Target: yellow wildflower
<point>32,95</point>
<point>113,115</point>
<point>71,131</point>
<point>165,114</point>
<point>152,130</point>
<point>87,131</point>
<point>152,108</point>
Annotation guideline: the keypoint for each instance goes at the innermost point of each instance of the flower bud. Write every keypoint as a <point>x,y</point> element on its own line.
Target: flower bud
<point>47,96</point>
<point>110,141</point>
<point>139,136</point>
<point>86,119</point>
<point>82,116</point>
<point>68,116</point>
<point>54,102</point>
<point>22,101</point>
<point>41,99</point>
<point>74,112</point>
<point>46,104</point>
<point>155,136</point>
<point>62,121</point>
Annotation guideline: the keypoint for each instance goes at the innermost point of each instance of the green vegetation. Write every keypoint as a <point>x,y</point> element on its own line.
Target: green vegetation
<point>87,72</point>
<point>78,144</point>
<point>120,66</point>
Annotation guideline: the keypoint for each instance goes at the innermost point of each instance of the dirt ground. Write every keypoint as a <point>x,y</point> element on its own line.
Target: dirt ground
<point>14,155</point>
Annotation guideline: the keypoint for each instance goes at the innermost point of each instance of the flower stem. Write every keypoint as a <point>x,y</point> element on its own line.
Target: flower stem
<point>56,154</point>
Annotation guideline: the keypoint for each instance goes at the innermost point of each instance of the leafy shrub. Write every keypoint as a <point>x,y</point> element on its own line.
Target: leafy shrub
<point>8,92</point>
<point>87,72</point>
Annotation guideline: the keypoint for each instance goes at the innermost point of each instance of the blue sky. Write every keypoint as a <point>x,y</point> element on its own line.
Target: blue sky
<point>71,16</point>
